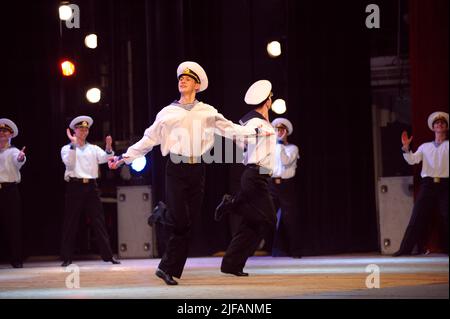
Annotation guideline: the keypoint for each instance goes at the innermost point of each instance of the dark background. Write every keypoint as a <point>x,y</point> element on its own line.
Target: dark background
<point>323,74</point>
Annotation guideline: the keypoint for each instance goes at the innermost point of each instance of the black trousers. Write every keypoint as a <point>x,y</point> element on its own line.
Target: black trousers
<point>255,205</point>
<point>286,240</point>
<point>185,185</point>
<point>11,220</point>
<point>84,198</point>
<point>431,196</point>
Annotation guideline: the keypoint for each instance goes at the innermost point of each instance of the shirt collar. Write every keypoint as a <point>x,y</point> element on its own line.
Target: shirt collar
<point>188,106</point>
<point>436,144</point>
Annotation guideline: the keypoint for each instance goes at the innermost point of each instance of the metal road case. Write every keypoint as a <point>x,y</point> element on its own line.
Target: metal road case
<point>395,203</point>
<point>136,239</point>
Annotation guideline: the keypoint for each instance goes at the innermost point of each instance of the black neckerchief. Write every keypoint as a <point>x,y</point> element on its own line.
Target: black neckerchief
<point>251,115</point>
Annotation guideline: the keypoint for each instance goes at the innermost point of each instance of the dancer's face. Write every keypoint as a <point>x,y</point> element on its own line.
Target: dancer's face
<point>440,126</point>
<point>186,84</point>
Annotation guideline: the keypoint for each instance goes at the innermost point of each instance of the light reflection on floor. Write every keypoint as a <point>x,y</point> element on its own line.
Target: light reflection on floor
<point>281,277</point>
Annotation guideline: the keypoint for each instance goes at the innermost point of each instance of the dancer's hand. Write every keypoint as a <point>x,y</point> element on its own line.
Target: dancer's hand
<point>21,155</point>
<point>108,142</point>
<point>114,162</point>
<point>406,141</point>
<point>73,139</point>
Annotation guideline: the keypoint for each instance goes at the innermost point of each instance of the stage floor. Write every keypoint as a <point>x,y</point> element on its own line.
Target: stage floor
<point>340,276</point>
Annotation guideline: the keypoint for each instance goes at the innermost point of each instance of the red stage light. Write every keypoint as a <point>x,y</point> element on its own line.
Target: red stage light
<point>67,68</point>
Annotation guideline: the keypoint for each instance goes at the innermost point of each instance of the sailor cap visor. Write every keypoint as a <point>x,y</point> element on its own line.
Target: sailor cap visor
<point>437,116</point>
<point>195,71</point>
<point>10,126</point>
<point>81,121</point>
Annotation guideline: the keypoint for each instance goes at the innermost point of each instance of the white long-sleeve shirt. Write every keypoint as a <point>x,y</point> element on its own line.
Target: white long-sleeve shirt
<point>82,162</point>
<point>10,166</point>
<point>185,131</point>
<point>434,157</point>
<point>286,157</point>
<point>259,150</point>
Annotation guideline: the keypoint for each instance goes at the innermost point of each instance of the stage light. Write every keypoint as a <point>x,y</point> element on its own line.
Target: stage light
<point>279,106</point>
<point>93,95</point>
<point>67,68</point>
<point>139,164</point>
<point>91,41</point>
<point>274,49</point>
<point>65,12</point>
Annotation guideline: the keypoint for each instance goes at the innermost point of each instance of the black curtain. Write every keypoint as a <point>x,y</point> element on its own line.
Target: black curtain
<point>29,98</point>
<point>330,107</point>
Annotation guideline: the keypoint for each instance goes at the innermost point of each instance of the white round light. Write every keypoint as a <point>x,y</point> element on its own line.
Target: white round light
<point>139,163</point>
<point>65,12</point>
<point>93,95</point>
<point>274,49</point>
<point>279,106</point>
<point>91,41</point>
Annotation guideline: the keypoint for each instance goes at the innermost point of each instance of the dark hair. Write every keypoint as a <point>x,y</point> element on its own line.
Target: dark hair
<point>257,106</point>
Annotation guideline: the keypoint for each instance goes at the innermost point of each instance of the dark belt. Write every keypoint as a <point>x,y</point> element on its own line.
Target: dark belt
<point>5,185</point>
<point>82,180</point>
<point>436,180</point>
<point>259,168</point>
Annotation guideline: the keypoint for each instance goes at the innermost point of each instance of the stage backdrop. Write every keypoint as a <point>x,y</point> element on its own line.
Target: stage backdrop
<point>323,74</point>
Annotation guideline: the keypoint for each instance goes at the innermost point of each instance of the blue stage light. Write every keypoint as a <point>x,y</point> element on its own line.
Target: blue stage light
<point>139,164</point>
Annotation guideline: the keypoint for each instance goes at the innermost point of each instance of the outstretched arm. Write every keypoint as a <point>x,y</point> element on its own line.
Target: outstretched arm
<point>228,128</point>
<point>150,139</point>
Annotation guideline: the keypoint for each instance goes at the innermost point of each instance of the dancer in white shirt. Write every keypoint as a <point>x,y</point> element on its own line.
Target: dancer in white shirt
<point>434,185</point>
<point>185,129</point>
<point>253,201</point>
<point>286,241</point>
<point>82,195</point>
<point>11,161</point>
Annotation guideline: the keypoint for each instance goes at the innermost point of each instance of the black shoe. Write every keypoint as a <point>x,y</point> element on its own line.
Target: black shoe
<point>224,207</point>
<point>236,273</point>
<point>114,261</point>
<point>296,256</point>
<point>66,263</point>
<point>17,264</point>
<point>166,277</point>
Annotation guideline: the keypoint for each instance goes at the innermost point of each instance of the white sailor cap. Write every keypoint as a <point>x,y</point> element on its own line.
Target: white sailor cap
<point>258,92</point>
<point>437,116</point>
<point>195,71</point>
<point>285,122</point>
<point>81,121</point>
<point>10,126</point>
